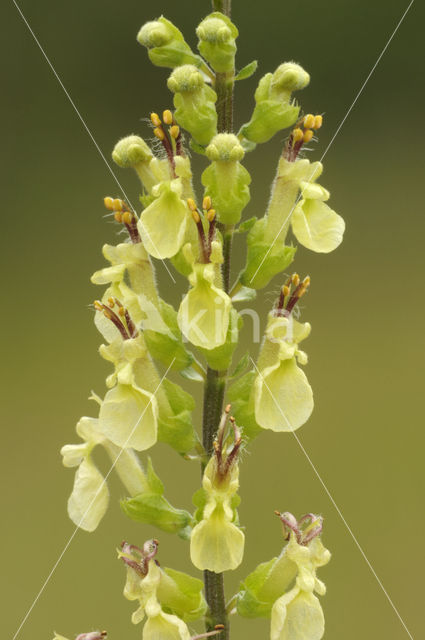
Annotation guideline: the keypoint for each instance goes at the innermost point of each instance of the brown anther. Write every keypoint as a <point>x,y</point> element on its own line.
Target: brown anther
<point>206,203</point>
<point>109,203</point>
<point>159,133</point>
<point>192,204</point>
<point>127,217</point>
<point>111,302</point>
<point>211,215</point>
<point>308,135</point>
<point>121,311</point>
<point>175,131</point>
<point>218,627</point>
<point>309,121</point>
<point>167,116</point>
<point>118,216</point>
<point>318,121</point>
<point>227,408</point>
<point>277,513</point>
<point>155,119</point>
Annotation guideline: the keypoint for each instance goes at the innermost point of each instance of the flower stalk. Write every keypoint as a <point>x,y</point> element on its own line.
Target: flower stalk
<point>145,336</point>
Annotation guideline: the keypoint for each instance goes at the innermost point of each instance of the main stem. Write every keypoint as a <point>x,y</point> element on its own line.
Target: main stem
<point>216,380</point>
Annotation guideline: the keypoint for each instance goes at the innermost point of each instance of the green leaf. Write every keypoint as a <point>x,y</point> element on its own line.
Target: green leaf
<point>154,481</point>
<point>198,148</point>
<point>190,373</point>
<point>247,225</point>
<point>244,294</point>
<point>242,401</point>
<point>181,595</point>
<point>241,366</point>
<point>154,509</point>
<point>247,71</point>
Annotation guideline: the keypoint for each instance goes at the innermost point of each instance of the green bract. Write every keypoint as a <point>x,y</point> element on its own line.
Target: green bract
<point>150,507</point>
<point>165,44</point>
<point>195,103</point>
<point>274,110</point>
<point>226,181</point>
<point>217,35</point>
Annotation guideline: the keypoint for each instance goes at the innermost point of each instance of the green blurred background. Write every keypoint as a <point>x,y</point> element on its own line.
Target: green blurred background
<point>366,306</point>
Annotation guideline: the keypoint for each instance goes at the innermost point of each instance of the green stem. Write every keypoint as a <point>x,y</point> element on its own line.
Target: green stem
<point>216,380</point>
<point>225,6</point>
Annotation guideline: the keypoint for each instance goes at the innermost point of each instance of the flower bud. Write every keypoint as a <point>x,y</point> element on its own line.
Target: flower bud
<point>166,44</point>
<point>274,109</point>
<point>287,78</point>
<point>133,152</point>
<point>217,35</point>
<point>226,181</point>
<point>130,151</point>
<point>195,103</point>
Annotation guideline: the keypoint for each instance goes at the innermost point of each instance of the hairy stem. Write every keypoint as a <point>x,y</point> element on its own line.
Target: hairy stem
<point>216,380</point>
<point>225,6</point>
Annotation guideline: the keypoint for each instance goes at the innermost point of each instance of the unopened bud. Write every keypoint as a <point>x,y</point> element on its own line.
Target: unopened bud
<point>290,77</point>
<point>217,35</point>
<point>225,147</point>
<point>131,151</point>
<point>166,44</point>
<point>185,78</point>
